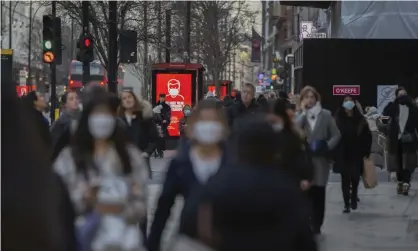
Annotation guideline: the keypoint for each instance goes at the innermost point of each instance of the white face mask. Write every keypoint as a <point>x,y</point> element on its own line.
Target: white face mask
<point>101,126</point>
<point>208,132</point>
<point>174,92</point>
<point>277,127</point>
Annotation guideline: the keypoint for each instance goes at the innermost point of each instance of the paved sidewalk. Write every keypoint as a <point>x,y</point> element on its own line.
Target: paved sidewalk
<point>384,220</point>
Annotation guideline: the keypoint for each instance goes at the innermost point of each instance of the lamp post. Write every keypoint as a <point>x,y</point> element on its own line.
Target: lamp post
<point>11,13</point>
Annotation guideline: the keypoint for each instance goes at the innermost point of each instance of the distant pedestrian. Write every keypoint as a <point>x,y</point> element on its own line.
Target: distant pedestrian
<point>263,103</point>
<point>246,106</point>
<point>354,147</point>
<point>402,138</point>
<point>69,115</point>
<point>166,120</point>
<point>35,104</point>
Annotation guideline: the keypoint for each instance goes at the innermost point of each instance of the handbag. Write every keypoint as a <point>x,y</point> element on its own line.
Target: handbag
<point>369,174</point>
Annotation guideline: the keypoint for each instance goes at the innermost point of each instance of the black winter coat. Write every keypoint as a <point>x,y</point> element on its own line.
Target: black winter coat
<point>392,111</point>
<point>142,131</point>
<point>253,208</point>
<point>355,143</point>
<point>239,110</point>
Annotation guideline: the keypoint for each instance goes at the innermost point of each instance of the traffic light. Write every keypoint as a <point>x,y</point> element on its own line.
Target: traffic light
<point>51,40</point>
<point>85,46</point>
<point>128,49</point>
<point>48,54</point>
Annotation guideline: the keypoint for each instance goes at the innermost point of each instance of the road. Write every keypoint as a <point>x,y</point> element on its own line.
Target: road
<point>384,220</point>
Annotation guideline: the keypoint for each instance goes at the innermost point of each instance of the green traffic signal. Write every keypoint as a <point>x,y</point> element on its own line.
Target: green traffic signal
<point>47,45</point>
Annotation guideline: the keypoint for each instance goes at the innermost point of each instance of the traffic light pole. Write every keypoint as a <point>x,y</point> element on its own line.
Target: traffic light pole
<point>112,65</point>
<point>53,72</point>
<point>86,65</point>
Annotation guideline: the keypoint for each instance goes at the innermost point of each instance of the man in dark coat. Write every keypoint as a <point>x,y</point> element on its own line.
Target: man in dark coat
<point>166,118</point>
<point>35,104</point>
<point>70,113</point>
<point>247,105</point>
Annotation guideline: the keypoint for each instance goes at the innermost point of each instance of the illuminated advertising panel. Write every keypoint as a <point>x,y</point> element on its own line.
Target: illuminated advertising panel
<point>178,90</point>
<point>222,89</point>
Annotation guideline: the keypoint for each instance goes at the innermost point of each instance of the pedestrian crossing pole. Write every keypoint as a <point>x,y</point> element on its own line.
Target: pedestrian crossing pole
<point>53,70</point>
<point>112,66</point>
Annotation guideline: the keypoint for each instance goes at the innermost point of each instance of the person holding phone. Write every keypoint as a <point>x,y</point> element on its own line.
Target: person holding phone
<point>323,136</point>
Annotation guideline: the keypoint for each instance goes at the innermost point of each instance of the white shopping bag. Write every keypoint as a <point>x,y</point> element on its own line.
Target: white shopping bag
<point>184,243</point>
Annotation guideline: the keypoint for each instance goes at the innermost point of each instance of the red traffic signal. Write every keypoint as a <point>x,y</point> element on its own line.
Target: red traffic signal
<point>87,42</point>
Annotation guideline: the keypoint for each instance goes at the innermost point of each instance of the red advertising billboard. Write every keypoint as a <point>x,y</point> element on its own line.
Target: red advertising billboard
<point>341,90</point>
<point>222,90</point>
<point>178,90</point>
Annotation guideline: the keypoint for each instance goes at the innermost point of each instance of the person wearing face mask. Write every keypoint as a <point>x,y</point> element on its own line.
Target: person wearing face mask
<point>322,135</point>
<point>354,146</point>
<point>251,205</point>
<point>107,179</point>
<point>201,158</point>
<point>187,111</point>
<point>293,157</point>
<point>402,138</point>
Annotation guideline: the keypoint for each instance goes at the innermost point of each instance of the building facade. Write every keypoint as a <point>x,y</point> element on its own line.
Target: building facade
<point>16,33</point>
<point>282,36</point>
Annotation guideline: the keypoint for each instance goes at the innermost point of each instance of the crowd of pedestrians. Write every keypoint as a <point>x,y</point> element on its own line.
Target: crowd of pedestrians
<point>252,170</point>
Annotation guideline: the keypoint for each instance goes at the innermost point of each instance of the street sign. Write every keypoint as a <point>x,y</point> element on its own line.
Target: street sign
<point>341,90</point>
<point>6,66</point>
<point>48,57</point>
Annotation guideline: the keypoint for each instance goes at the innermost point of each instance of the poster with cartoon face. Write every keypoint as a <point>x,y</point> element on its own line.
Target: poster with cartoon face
<point>178,90</point>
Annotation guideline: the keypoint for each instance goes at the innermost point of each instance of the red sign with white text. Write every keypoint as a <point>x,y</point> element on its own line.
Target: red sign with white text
<point>178,90</point>
<point>222,90</point>
<point>341,90</point>
<point>21,90</point>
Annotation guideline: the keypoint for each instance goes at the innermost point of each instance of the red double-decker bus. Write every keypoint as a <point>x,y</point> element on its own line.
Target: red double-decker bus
<point>98,74</point>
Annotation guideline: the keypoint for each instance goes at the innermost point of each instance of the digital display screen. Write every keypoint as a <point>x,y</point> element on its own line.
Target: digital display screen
<point>178,90</point>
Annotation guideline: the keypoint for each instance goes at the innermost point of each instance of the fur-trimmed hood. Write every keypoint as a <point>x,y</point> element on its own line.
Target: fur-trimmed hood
<point>147,112</point>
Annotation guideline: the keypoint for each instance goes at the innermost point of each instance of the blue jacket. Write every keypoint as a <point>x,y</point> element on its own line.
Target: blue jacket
<point>180,180</point>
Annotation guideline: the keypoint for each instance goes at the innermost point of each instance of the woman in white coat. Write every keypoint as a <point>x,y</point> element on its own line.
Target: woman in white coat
<point>107,181</point>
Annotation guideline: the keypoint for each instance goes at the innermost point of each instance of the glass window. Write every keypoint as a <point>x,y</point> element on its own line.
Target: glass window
<point>95,69</point>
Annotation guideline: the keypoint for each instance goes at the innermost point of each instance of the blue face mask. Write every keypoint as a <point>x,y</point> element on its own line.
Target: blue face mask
<point>349,105</point>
